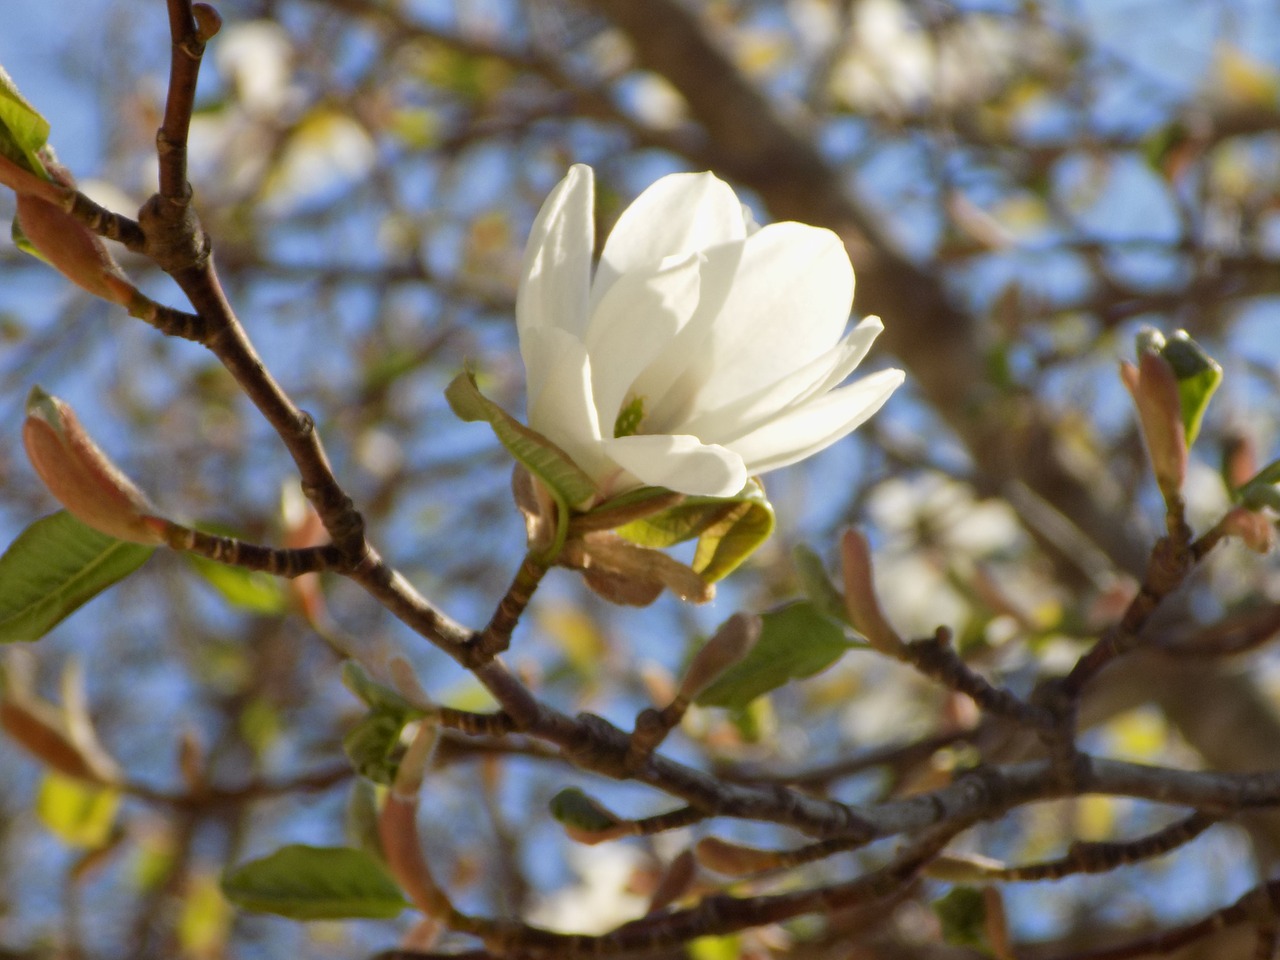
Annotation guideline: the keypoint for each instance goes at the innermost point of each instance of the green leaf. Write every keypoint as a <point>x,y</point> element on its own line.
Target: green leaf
<point>1198,377</point>
<point>23,131</point>
<point>250,590</point>
<point>315,883</point>
<point>1162,144</point>
<point>1262,490</point>
<point>569,485</point>
<point>79,814</point>
<point>375,747</point>
<point>54,566</point>
<point>963,915</point>
<point>539,455</point>
<point>729,529</point>
<point>377,696</point>
<point>574,808</point>
<point>796,641</point>
<point>817,585</point>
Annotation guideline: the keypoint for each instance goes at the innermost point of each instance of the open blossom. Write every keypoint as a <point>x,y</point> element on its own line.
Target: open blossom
<point>703,350</point>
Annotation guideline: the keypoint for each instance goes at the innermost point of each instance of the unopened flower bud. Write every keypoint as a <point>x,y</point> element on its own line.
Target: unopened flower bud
<point>1154,388</point>
<point>82,477</point>
<point>860,595</point>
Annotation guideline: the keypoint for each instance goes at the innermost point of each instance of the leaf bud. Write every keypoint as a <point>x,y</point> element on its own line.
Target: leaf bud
<point>732,859</point>
<point>727,646</point>
<point>68,245</point>
<point>82,478</point>
<point>860,594</point>
<point>586,819</point>
<point>1154,388</point>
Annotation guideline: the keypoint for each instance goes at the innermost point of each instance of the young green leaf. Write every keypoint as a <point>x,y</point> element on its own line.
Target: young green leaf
<point>375,748</point>
<point>23,131</point>
<point>249,590</point>
<point>796,641</point>
<point>539,455</point>
<point>569,486</point>
<point>816,583</point>
<point>1198,377</point>
<point>377,696</point>
<point>962,912</point>
<point>729,529</point>
<point>315,883</point>
<point>54,566</point>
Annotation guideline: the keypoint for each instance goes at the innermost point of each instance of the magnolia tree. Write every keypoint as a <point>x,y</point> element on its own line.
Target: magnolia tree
<point>621,676</point>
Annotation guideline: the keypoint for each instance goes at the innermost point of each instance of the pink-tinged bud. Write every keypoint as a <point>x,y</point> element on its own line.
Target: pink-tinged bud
<point>1254,528</point>
<point>733,859</point>
<point>677,880</point>
<point>1239,460</point>
<point>82,477</point>
<point>69,246</point>
<point>1154,388</point>
<point>860,595</point>
<point>727,646</point>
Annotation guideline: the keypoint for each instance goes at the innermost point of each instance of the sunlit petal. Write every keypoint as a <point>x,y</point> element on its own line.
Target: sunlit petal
<point>744,415</point>
<point>804,430</point>
<point>636,320</point>
<point>680,463</point>
<point>563,410</point>
<point>678,215</point>
<point>556,273</point>
<point>788,305</point>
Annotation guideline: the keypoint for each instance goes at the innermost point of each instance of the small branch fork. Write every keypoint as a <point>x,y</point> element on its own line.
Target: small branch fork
<point>168,231</point>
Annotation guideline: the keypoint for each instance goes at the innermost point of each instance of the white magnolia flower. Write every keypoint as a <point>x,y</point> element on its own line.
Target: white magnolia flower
<point>703,351</point>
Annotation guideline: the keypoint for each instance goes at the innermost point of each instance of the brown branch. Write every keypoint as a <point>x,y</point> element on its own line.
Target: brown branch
<point>214,797</point>
<point>1260,902</point>
<point>496,636</point>
<point>1104,857</point>
<point>252,556</point>
<point>936,658</point>
<point>1172,558</point>
<point>189,29</point>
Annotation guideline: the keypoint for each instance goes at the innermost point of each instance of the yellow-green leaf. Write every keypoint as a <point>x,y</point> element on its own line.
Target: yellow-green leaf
<point>729,529</point>
<point>77,813</point>
<point>23,131</point>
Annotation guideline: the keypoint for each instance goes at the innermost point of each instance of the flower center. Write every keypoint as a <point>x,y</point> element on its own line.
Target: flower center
<point>629,418</point>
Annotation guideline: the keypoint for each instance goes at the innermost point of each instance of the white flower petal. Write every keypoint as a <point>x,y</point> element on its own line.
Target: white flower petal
<point>744,415</point>
<point>804,430</point>
<point>788,305</point>
<point>556,274</point>
<point>663,381</point>
<point>563,410</point>
<point>680,463</point>
<point>678,215</point>
<point>640,316</point>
